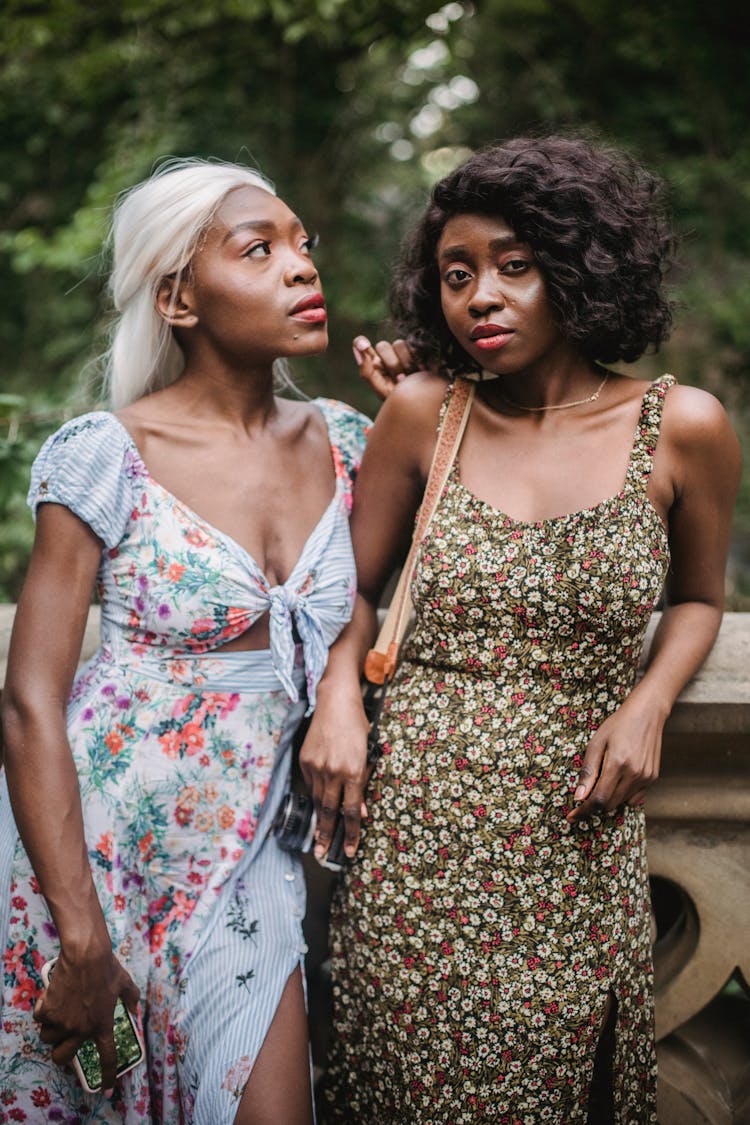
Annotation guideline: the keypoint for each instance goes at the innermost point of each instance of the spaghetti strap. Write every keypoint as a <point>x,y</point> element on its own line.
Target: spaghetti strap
<point>647,434</point>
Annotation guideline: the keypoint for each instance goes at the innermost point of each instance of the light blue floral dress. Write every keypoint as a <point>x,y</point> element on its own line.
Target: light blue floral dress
<point>183,755</point>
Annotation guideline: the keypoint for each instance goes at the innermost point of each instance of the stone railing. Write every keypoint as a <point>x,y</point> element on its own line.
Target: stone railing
<point>699,856</point>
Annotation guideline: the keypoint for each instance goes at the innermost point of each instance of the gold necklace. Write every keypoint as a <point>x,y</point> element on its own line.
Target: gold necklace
<point>561,405</point>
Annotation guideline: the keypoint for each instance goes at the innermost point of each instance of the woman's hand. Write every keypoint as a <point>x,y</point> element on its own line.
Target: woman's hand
<point>383,365</point>
<point>621,760</point>
<point>333,763</point>
<point>79,1004</point>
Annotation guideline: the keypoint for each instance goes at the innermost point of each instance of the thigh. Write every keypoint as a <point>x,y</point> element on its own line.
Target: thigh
<point>279,1087</point>
<point>235,984</point>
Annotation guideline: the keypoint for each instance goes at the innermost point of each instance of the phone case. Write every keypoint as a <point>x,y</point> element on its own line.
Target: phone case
<point>128,1041</point>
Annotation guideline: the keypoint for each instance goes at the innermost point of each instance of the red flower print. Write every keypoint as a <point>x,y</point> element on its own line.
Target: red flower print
<point>24,994</point>
<point>203,625</point>
<point>114,742</point>
<point>192,738</point>
<point>104,845</point>
<point>182,706</point>
<point>171,743</point>
<point>196,537</point>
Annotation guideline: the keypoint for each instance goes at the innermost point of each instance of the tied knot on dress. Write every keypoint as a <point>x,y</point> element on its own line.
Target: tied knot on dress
<point>290,609</point>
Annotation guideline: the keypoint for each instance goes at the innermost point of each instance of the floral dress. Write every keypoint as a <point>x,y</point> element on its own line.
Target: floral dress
<point>479,936</point>
<point>183,756</point>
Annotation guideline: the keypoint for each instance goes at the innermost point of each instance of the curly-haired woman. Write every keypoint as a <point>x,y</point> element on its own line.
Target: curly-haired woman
<point>491,940</point>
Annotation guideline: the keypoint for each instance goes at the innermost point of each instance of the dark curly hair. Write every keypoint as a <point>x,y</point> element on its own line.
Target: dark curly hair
<point>595,221</point>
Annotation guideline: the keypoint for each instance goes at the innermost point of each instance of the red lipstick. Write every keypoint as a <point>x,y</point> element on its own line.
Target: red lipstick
<point>490,337</point>
<point>311,309</point>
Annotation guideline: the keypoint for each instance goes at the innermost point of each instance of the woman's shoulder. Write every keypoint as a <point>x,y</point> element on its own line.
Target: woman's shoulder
<point>412,411</point>
<point>96,434</point>
<point>694,418</point>
<point>82,466</point>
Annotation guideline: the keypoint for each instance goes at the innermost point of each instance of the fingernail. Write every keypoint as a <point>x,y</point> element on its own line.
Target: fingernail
<point>579,793</point>
<point>357,354</point>
<point>361,342</point>
<point>319,851</point>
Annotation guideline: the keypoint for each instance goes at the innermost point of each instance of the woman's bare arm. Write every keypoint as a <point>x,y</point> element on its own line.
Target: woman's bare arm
<point>701,454</point>
<point>387,495</point>
<point>43,784</point>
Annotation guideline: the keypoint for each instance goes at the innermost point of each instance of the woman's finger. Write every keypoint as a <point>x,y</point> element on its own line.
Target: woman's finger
<point>351,810</point>
<point>407,362</point>
<point>588,774</point>
<point>392,362</point>
<point>328,811</point>
<point>361,346</point>
<point>63,1052</point>
<point>105,1045</point>
<point>384,364</point>
<point>52,1034</point>
<point>371,367</point>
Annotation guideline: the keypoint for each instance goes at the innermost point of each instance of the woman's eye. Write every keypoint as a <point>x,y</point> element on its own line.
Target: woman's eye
<point>456,276</point>
<point>311,243</point>
<point>515,265</point>
<point>258,250</point>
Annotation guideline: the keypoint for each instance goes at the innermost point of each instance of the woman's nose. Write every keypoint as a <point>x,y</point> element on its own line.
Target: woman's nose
<point>487,296</point>
<point>301,269</point>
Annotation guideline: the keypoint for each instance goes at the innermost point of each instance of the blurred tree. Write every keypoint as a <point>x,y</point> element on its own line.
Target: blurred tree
<point>354,110</point>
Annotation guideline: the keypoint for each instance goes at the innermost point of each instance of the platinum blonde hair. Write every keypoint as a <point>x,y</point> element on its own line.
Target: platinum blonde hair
<point>155,230</point>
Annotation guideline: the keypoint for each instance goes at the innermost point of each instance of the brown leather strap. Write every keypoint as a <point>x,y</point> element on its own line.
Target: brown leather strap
<point>382,658</point>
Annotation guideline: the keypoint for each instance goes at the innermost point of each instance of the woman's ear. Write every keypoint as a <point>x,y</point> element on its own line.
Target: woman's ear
<point>174,302</point>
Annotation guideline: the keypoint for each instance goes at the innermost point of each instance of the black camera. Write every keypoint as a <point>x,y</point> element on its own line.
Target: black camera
<point>294,828</point>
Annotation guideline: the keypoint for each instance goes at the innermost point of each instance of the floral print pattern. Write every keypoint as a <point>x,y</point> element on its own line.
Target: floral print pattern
<point>478,936</point>
<point>182,755</point>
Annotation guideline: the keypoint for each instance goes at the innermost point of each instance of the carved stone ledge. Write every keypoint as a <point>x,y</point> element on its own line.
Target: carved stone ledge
<point>699,858</point>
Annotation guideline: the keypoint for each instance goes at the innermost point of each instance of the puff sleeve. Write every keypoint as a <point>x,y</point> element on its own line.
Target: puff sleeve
<point>83,467</point>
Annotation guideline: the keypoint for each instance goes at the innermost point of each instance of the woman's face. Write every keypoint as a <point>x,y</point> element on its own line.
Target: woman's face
<point>253,286</point>
<point>493,295</point>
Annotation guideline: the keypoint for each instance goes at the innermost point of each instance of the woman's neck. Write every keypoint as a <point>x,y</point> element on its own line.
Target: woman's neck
<point>226,394</point>
<point>545,386</point>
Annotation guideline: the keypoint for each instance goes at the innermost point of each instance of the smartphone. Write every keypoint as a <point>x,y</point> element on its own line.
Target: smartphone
<point>128,1045</point>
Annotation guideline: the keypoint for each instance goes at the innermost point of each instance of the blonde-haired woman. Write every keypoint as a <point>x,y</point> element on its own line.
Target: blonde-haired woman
<point>213,517</point>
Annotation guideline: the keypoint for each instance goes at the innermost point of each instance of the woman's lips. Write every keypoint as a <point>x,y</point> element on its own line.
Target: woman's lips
<point>490,337</point>
<point>311,309</point>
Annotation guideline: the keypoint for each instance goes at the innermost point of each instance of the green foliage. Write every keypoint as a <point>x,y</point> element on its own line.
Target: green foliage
<point>19,444</point>
<point>354,109</point>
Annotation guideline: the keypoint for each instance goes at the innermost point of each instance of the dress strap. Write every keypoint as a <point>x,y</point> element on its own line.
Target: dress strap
<point>647,433</point>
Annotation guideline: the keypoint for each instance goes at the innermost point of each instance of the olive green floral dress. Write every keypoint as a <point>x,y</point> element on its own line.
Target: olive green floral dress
<point>478,936</point>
